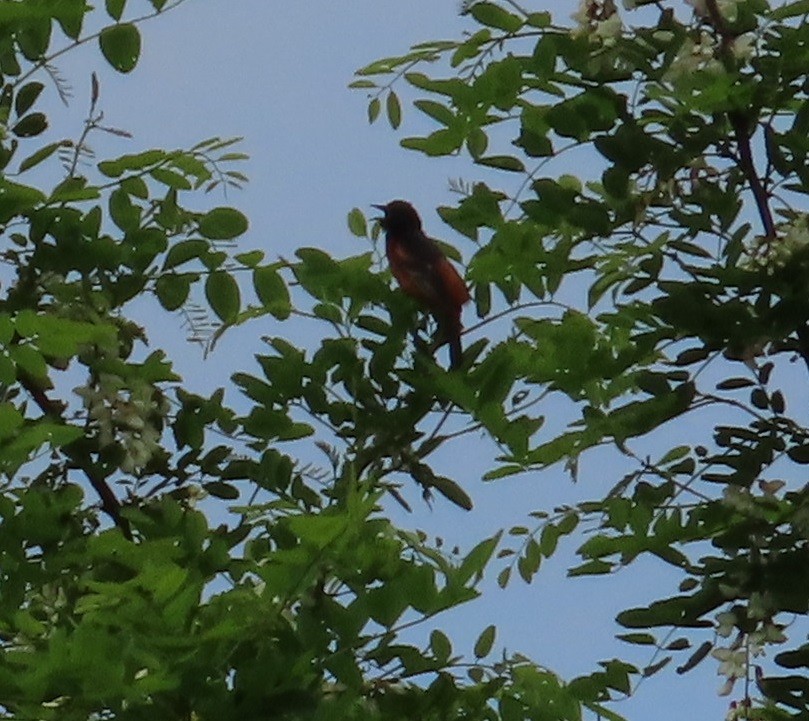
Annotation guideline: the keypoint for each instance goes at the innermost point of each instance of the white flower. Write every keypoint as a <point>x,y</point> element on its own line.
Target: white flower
<point>758,606</point>
<point>609,30</point>
<point>728,9</point>
<point>738,499</point>
<point>582,17</point>
<point>726,622</point>
<point>599,20</point>
<point>693,57</point>
<point>744,46</point>
<point>732,662</point>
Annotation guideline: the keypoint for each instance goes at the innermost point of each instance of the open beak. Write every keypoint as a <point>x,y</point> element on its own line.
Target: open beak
<point>383,208</point>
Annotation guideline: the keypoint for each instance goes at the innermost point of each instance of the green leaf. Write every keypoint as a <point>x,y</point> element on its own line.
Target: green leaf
<point>394,110</point>
<point>357,223</point>
<point>222,292</point>
<point>442,142</point>
<point>26,97</point>
<point>643,639</point>
<point>494,16</point>
<point>539,20</point>
<point>250,259</point>
<point>272,291</point>
<point>440,646</point>
<point>688,248</point>
<point>483,645</point>
<point>799,454</point>
<point>115,8</point>
<point>10,420</point>
<point>437,111</point>
<point>219,489</point>
<point>477,558</point>
<point>511,709</point>
<point>223,224</point>
<point>135,185</point>
<point>61,337</point>
<point>171,178</point>
<point>362,84</point>
<point>30,360</point>
<point>69,15</point>
<point>16,199</point>
<point>184,251</point>
<point>692,355</point>
<point>476,143</point>
<point>31,125</point>
<point>123,212</point>
<point>502,162</point>
<point>471,47</point>
<point>72,189</point>
<point>655,667</point>
<point>451,491</point>
<point>39,156</point>
<point>120,45</point>
<point>790,10</point>
<point>172,289</point>
<point>591,568</point>
<point>529,562</point>
<point>734,383</point>
<point>138,161</point>
<point>699,654</point>
<point>373,110</point>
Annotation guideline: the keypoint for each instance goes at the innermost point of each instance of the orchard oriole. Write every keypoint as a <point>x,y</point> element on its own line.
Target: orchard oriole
<point>424,273</point>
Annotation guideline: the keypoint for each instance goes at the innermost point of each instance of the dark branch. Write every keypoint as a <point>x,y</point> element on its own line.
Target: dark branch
<point>742,132</point>
<point>109,502</point>
<point>743,125</point>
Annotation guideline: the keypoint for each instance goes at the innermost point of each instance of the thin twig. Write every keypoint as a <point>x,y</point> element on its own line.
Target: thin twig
<point>81,41</point>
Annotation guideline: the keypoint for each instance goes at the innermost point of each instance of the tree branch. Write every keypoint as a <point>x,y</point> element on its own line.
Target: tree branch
<point>742,125</point>
<point>18,81</point>
<point>742,132</point>
<point>109,502</point>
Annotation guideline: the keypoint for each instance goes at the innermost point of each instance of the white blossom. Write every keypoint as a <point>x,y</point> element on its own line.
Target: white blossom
<point>726,622</point>
<point>744,46</point>
<point>732,662</point>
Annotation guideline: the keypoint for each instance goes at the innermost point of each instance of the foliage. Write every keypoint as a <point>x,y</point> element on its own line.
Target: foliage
<point>658,296</point>
<point>687,241</point>
<point>291,595</point>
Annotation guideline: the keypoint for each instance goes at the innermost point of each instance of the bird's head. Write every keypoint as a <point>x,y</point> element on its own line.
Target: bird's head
<point>399,217</point>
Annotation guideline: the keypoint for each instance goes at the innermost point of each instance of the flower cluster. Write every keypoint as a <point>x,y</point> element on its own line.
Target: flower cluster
<point>695,56</point>
<point>598,20</point>
<point>772,254</point>
<point>127,412</point>
<point>735,659</point>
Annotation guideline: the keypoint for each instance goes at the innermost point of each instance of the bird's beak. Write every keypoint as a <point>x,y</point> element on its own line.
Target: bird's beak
<point>383,208</point>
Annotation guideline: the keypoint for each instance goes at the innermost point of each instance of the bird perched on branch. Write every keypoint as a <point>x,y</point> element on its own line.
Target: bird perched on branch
<point>424,273</point>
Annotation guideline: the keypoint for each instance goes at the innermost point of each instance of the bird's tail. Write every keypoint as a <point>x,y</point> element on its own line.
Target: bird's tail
<point>455,351</point>
<point>449,333</point>
<point>453,338</point>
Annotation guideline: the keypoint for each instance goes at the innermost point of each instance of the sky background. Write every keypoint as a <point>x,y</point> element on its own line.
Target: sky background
<point>276,73</point>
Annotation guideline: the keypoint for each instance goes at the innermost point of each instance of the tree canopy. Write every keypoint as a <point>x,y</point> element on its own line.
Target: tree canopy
<point>165,553</point>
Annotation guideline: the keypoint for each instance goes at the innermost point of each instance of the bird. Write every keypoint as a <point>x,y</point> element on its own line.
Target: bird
<point>424,273</point>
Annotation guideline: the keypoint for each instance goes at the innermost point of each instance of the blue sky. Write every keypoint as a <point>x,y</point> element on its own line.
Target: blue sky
<point>276,74</point>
